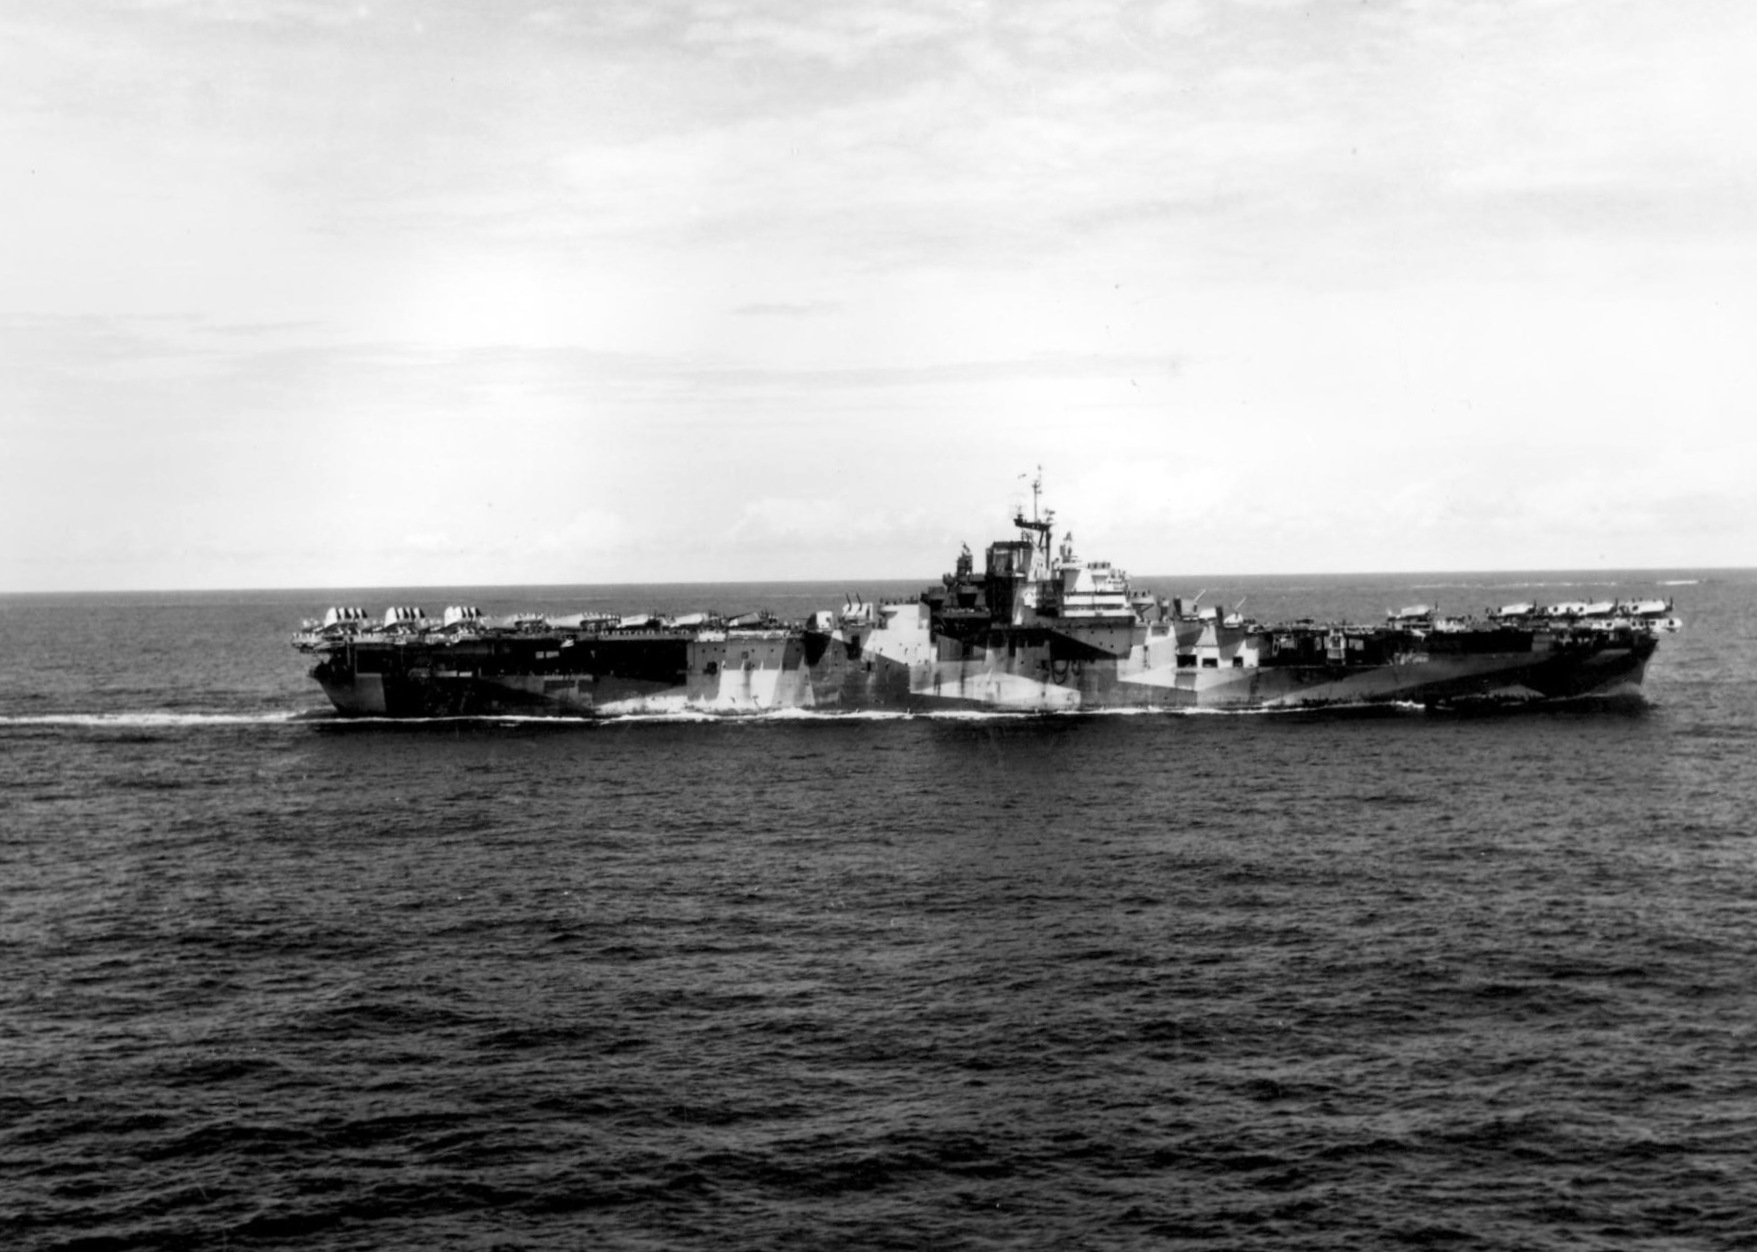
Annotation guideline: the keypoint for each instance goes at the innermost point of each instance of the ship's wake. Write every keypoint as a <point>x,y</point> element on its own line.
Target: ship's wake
<point>159,719</point>
<point>1625,701</point>
<point>1620,703</point>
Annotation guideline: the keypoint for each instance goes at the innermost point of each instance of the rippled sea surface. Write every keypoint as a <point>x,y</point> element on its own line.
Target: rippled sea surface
<point>269,979</point>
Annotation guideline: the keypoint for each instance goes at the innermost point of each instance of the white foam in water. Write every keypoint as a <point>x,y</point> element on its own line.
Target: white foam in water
<point>150,719</point>
<point>767,717</point>
<point>511,719</point>
<point>836,715</point>
<point>668,717</point>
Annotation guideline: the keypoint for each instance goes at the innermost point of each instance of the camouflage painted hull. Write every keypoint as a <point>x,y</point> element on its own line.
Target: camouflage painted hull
<point>910,658</point>
<point>1037,629</point>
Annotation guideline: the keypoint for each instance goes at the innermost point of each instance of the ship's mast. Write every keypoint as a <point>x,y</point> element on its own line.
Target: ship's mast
<point>1041,525</point>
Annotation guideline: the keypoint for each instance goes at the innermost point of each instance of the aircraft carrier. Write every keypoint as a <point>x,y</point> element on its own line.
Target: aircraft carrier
<point>1034,629</point>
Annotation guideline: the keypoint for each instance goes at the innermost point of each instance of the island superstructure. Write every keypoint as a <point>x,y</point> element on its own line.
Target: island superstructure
<point>1036,629</point>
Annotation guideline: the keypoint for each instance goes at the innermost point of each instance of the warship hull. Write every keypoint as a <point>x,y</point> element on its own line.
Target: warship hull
<point>901,664</point>
<point>1036,629</point>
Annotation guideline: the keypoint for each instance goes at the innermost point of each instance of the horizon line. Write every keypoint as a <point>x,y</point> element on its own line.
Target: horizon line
<point>854,584</point>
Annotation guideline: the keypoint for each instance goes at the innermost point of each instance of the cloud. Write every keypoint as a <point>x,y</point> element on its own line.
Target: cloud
<point>573,287</point>
<point>839,35</point>
<point>319,13</point>
<point>810,308</point>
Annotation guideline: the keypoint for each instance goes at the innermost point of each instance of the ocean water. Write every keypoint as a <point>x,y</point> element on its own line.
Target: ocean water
<point>1209,981</point>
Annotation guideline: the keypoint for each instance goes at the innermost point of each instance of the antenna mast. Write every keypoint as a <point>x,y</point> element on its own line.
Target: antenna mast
<point>1043,523</point>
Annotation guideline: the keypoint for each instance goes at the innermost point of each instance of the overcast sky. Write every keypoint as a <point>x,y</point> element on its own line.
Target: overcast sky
<point>308,294</point>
